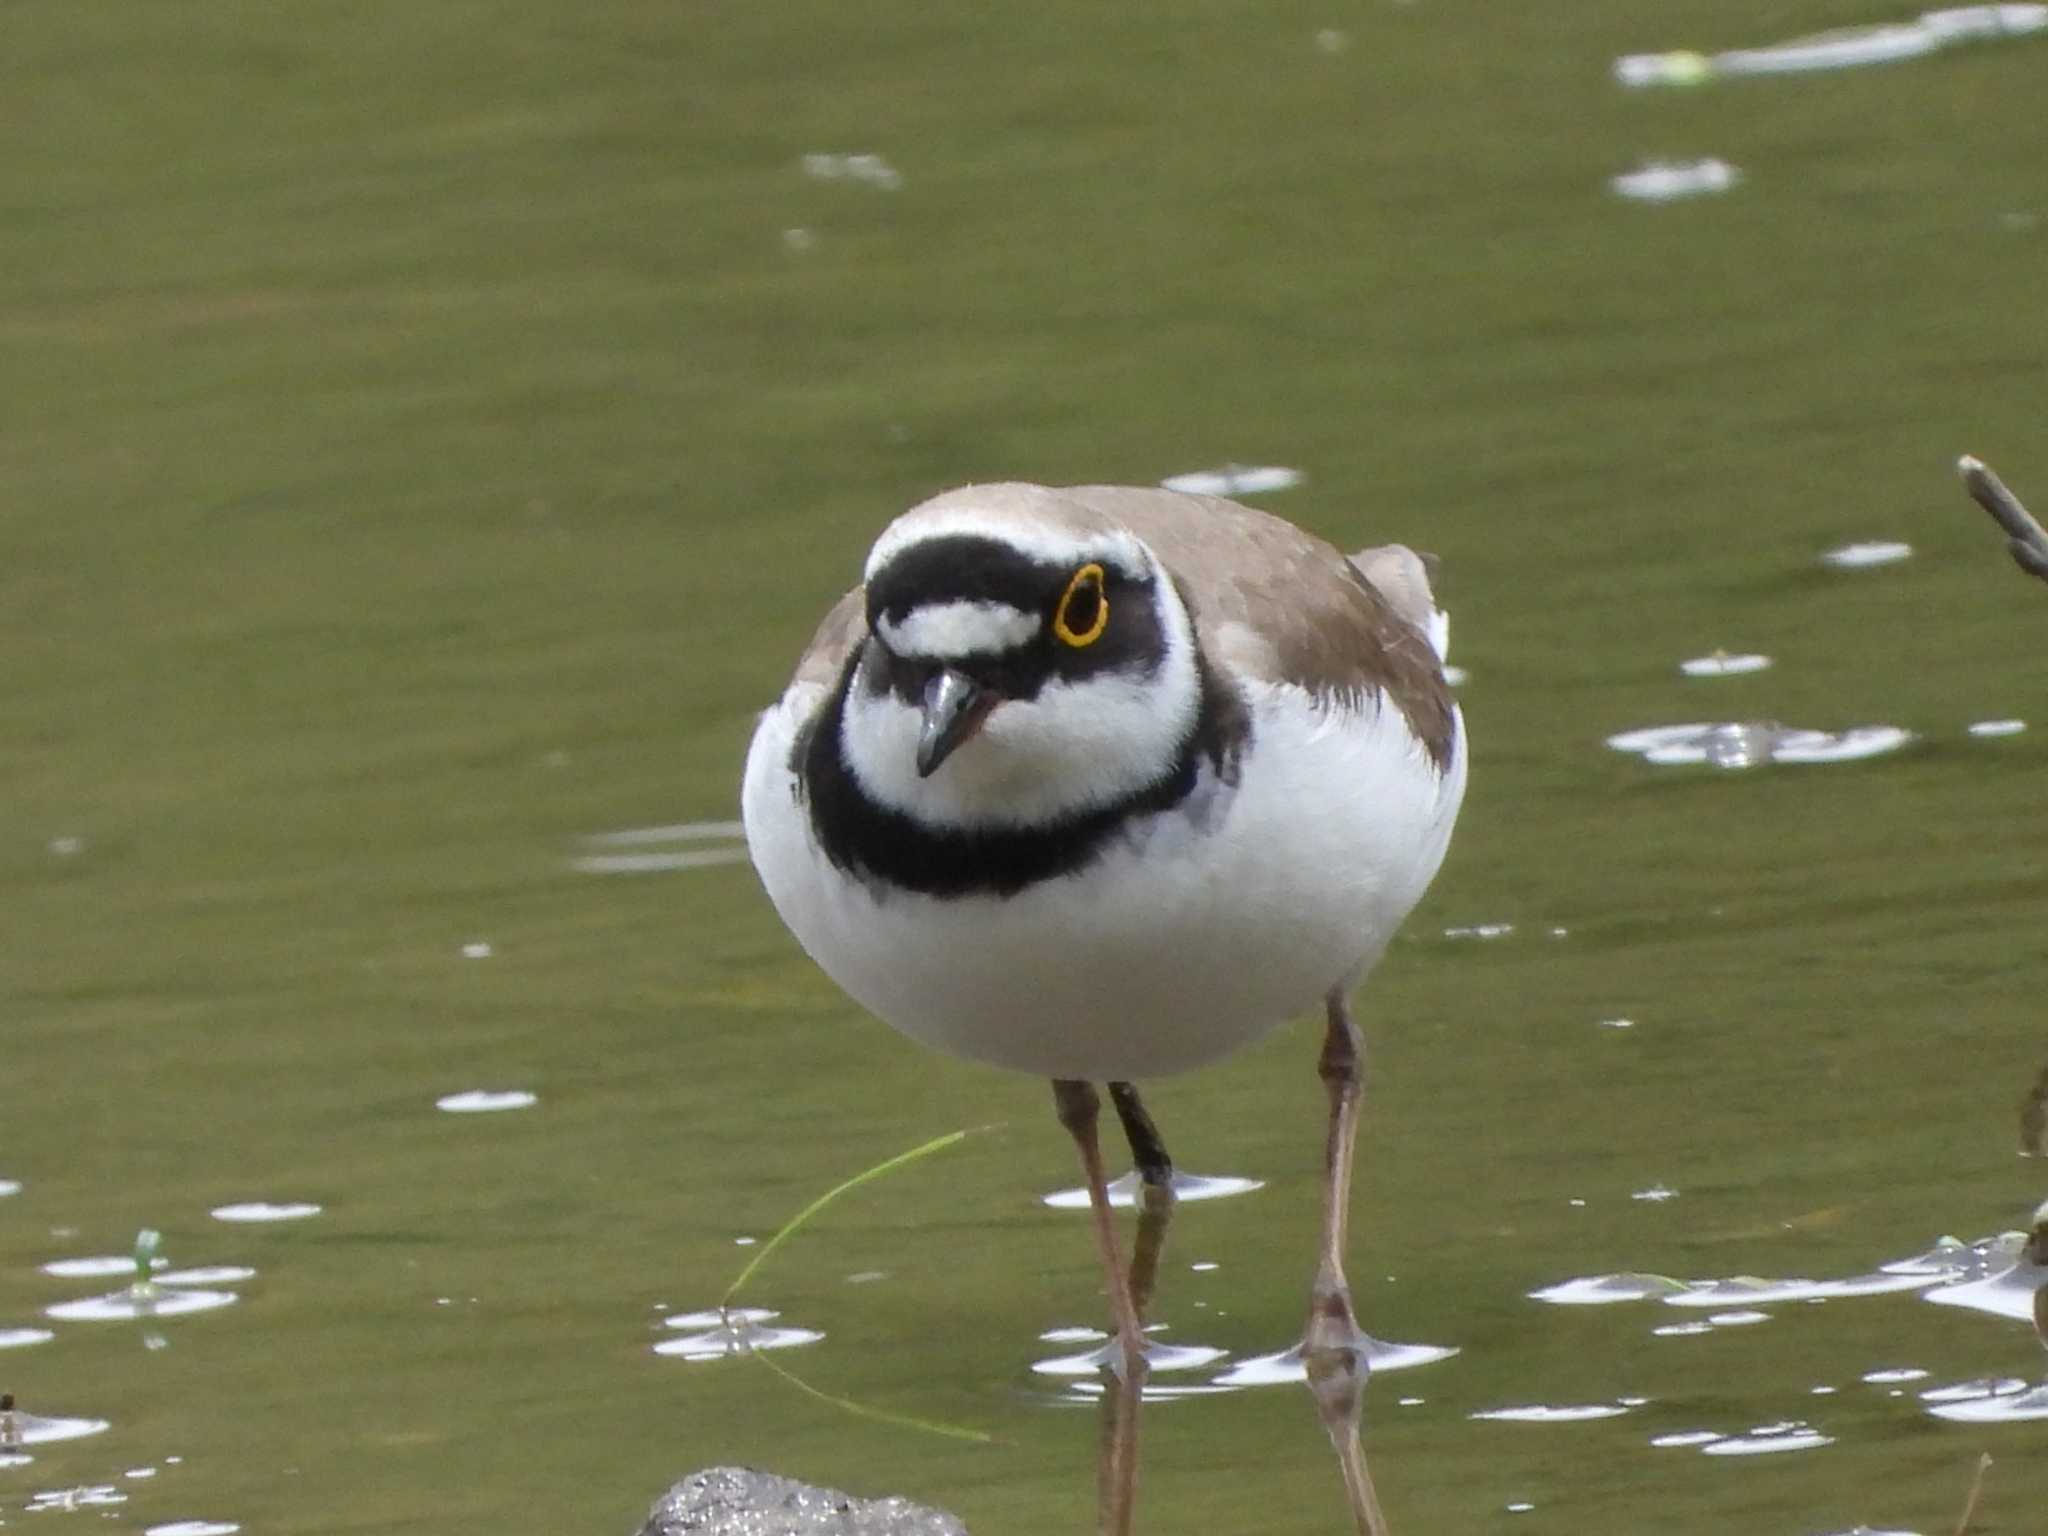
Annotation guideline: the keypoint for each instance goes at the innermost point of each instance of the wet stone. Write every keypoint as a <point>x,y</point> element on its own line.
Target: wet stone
<point>738,1501</point>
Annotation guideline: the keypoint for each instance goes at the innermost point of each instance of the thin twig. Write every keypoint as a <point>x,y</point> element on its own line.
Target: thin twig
<point>1976,1493</point>
<point>2026,540</point>
<point>2034,1119</point>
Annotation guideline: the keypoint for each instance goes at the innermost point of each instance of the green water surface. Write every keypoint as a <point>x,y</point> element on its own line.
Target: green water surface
<point>422,445</point>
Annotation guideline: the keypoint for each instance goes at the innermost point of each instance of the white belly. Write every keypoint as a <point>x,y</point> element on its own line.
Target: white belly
<point>1203,929</point>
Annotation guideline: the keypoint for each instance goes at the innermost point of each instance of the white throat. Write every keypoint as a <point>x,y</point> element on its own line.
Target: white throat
<point>1077,747</point>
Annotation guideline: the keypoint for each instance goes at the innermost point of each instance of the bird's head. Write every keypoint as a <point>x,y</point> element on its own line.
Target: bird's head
<point>1021,666</point>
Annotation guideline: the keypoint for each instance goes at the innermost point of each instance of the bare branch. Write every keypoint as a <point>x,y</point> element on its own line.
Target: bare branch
<point>2034,1119</point>
<point>1976,1493</point>
<point>2026,540</point>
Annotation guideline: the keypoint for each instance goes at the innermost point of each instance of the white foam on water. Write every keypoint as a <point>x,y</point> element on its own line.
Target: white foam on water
<point>1072,1335</point>
<point>1187,1188</point>
<point>1286,1368</point>
<point>713,1318</point>
<point>126,1306</point>
<point>22,1338</point>
<point>193,1528</point>
<point>745,1333</point>
<point>97,1266</point>
<point>1086,1389</point>
<point>1894,1373</point>
<point>1158,1357</point>
<point>1543,1413</point>
<point>2010,1293</point>
<point>38,1429</point>
<point>1721,664</point>
<point>9,1187</point>
<point>1951,1258</point>
<point>1655,1194</point>
<point>1668,181</point>
<point>484,1101</point>
<point>1770,1440</point>
<point>1682,1330</point>
<point>1234,480</point>
<point>1998,1408</point>
<point>1686,1437</point>
<point>86,1496</point>
<point>1997,727</point>
<point>1870,552</point>
<point>1604,1290</point>
<point>870,169</point>
<point>1737,1319</point>
<point>1748,1290</point>
<point>266,1210</point>
<point>1976,1390</point>
<point>1750,743</point>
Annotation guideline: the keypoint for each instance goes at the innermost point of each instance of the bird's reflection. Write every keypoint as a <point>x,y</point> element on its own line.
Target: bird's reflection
<point>1336,1370</point>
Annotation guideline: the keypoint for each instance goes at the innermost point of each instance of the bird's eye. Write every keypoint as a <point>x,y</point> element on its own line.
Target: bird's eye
<point>1083,613</point>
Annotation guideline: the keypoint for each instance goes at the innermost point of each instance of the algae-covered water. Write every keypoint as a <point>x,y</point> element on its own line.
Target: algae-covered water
<point>428,432</point>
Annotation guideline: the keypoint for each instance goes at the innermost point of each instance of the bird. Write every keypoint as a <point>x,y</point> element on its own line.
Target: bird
<point>1102,783</point>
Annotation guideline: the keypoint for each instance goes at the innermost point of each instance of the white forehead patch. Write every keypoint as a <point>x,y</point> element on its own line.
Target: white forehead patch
<point>1035,538</point>
<point>959,628</point>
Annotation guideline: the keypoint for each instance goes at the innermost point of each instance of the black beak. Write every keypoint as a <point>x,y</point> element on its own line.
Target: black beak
<point>954,707</point>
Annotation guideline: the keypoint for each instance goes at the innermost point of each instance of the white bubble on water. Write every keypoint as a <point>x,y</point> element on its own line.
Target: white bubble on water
<point>126,1306</point>
<point>1686,1437</point>
<point>1286,1367</point>
<point>1723,664</point>
<point>266,1210</point>
<point>1187,1188</point>
<point>1770,1440</point>
<point>484,1101</point>
<point>1602,1290</point>
<point>1867,553</point>
<point>85,1496</point>
<point>1543,1413</point>
<point>742,1330</point>
<point>1994,1407</point>
<point>1234,480</point>
<point>40,1429</point>
<point>1158,1358</point>
<point>98,1265</point>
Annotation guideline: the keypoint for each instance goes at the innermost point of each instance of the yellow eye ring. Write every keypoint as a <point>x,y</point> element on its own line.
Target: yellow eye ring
<point>1086,587</point>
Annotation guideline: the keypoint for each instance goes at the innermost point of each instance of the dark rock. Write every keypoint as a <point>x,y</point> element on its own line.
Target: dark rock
<point>737,1501</point>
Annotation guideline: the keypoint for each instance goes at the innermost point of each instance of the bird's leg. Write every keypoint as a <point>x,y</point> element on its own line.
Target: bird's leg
<point>1333,1347</point>
<point>1080,1109</point>
<point>1148,1148</point>
<point>1116,1453</point>
<point>1155,1200</point>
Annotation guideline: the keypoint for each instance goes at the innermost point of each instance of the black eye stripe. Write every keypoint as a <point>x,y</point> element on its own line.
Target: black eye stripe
<point>969,568</point>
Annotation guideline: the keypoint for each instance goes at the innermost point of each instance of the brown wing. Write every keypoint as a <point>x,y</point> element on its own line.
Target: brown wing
<point>1335,635</point>
<point>845,627</point>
